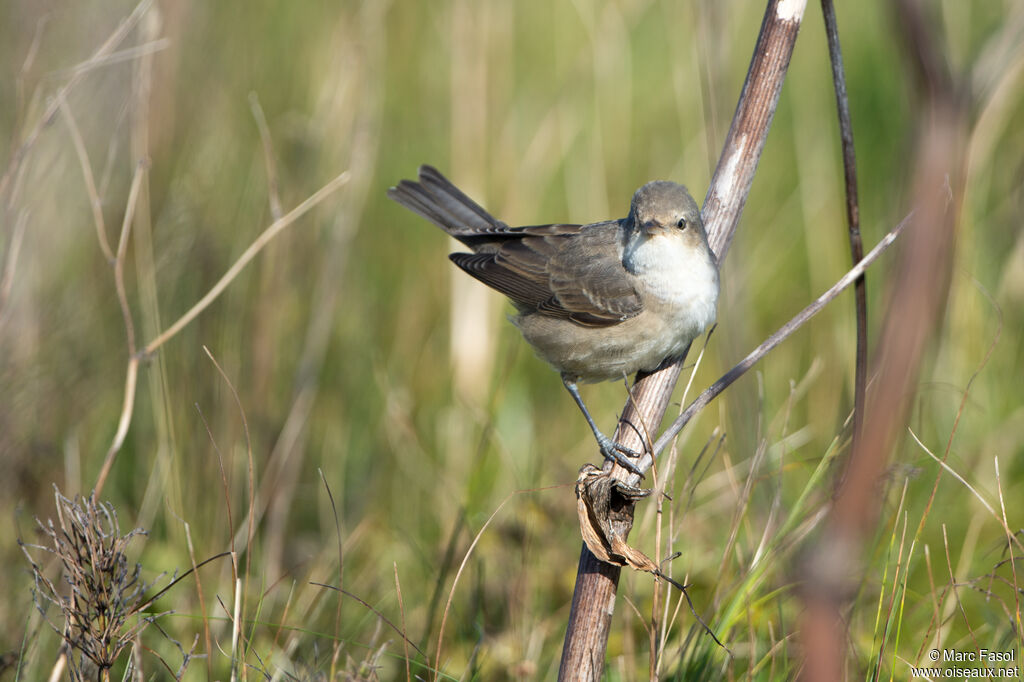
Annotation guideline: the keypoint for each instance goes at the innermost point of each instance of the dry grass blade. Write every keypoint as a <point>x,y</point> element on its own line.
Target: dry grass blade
<point>11,262</point>
<point>200,597</point>
<point>95,203</point>
<point>341,570</point>
<point>462,567</point>
<point>236,627</point>
<point>952,472</point>
<point>960,409</point>
<point>258,245</point>
<point>954,585</point>
<point>15,166</point>
<point>268,155</point>
<point>1010,539</point>
<point>130,381</point>
<point>125,55</point>
<point>458,574</point>
<point>401,611</point>
<point>131,374</point>
<point>251,472</point>
<point>384,619</point>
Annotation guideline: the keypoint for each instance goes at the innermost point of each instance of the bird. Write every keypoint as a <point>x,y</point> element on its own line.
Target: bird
<point>599,301</point>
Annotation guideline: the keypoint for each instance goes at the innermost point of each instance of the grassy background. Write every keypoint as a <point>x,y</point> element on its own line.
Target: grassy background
<point>366,366</point>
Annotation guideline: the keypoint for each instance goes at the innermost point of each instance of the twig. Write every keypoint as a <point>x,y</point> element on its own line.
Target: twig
<point>798,320</point>
<point>133,363</point>
<point>29,61</point>
<point>127,407</point>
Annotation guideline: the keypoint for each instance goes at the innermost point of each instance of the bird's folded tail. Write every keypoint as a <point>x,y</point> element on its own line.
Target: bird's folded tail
<point>445,205</point>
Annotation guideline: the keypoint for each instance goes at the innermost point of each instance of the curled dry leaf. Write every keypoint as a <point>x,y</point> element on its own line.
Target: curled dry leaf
<point>602,503</point>
<point>600,500</point>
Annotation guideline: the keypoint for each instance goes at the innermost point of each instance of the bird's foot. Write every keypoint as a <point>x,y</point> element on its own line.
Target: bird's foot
<point>619,454</point>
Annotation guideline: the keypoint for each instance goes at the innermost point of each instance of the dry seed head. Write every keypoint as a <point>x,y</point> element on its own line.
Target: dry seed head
<point>99,593</point>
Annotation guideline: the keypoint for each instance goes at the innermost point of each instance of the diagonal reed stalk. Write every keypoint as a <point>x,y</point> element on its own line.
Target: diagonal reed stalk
<point>586,637</point>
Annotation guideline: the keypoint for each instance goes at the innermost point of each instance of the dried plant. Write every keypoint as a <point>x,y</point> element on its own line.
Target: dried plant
<point>101,595</point>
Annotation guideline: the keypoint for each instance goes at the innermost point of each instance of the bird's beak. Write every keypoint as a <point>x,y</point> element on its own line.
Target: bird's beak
<point>652,227</point>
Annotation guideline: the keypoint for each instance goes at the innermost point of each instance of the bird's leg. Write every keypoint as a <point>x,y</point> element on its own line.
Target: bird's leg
<point>609,448</point>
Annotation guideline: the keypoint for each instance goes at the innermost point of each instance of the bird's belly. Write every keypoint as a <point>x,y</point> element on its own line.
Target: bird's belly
<point>609,353</point>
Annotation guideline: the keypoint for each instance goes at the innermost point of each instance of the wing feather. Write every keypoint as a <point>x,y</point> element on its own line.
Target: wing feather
<point>547,271</point>
<point>559,270</point>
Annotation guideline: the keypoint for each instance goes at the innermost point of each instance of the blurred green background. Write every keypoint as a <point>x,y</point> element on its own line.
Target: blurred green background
<point>386,399</point>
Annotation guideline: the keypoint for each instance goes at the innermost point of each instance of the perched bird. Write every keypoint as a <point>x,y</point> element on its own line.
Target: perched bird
<point>598,301</point>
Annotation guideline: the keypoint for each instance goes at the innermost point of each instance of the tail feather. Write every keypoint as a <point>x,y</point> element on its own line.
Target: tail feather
<point>445,205</point>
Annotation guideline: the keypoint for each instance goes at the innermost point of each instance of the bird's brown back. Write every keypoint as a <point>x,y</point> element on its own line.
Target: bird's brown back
<point>566,271</point>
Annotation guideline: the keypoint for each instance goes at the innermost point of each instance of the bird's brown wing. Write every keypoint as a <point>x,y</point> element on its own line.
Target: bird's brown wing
<point>589,281</point>
<point>564,271</point>
<point>550,269</point>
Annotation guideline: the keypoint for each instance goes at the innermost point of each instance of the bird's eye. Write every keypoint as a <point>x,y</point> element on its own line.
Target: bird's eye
<point>681,224</point>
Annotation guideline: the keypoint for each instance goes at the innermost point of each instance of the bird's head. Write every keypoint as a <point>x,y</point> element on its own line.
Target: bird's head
<point>663,208</point>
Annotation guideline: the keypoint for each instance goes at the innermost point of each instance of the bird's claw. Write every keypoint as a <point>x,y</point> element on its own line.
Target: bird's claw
<point>619,453</point>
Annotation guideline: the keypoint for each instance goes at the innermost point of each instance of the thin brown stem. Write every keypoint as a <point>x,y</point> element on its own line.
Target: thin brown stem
<point>131,375</point>
<point>852,214</point>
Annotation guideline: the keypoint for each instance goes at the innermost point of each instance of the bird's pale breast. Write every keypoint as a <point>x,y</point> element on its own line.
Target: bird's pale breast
<point>678,283</point>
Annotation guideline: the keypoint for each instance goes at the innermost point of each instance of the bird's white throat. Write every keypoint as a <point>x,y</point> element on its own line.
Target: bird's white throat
<point>678,274</point>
